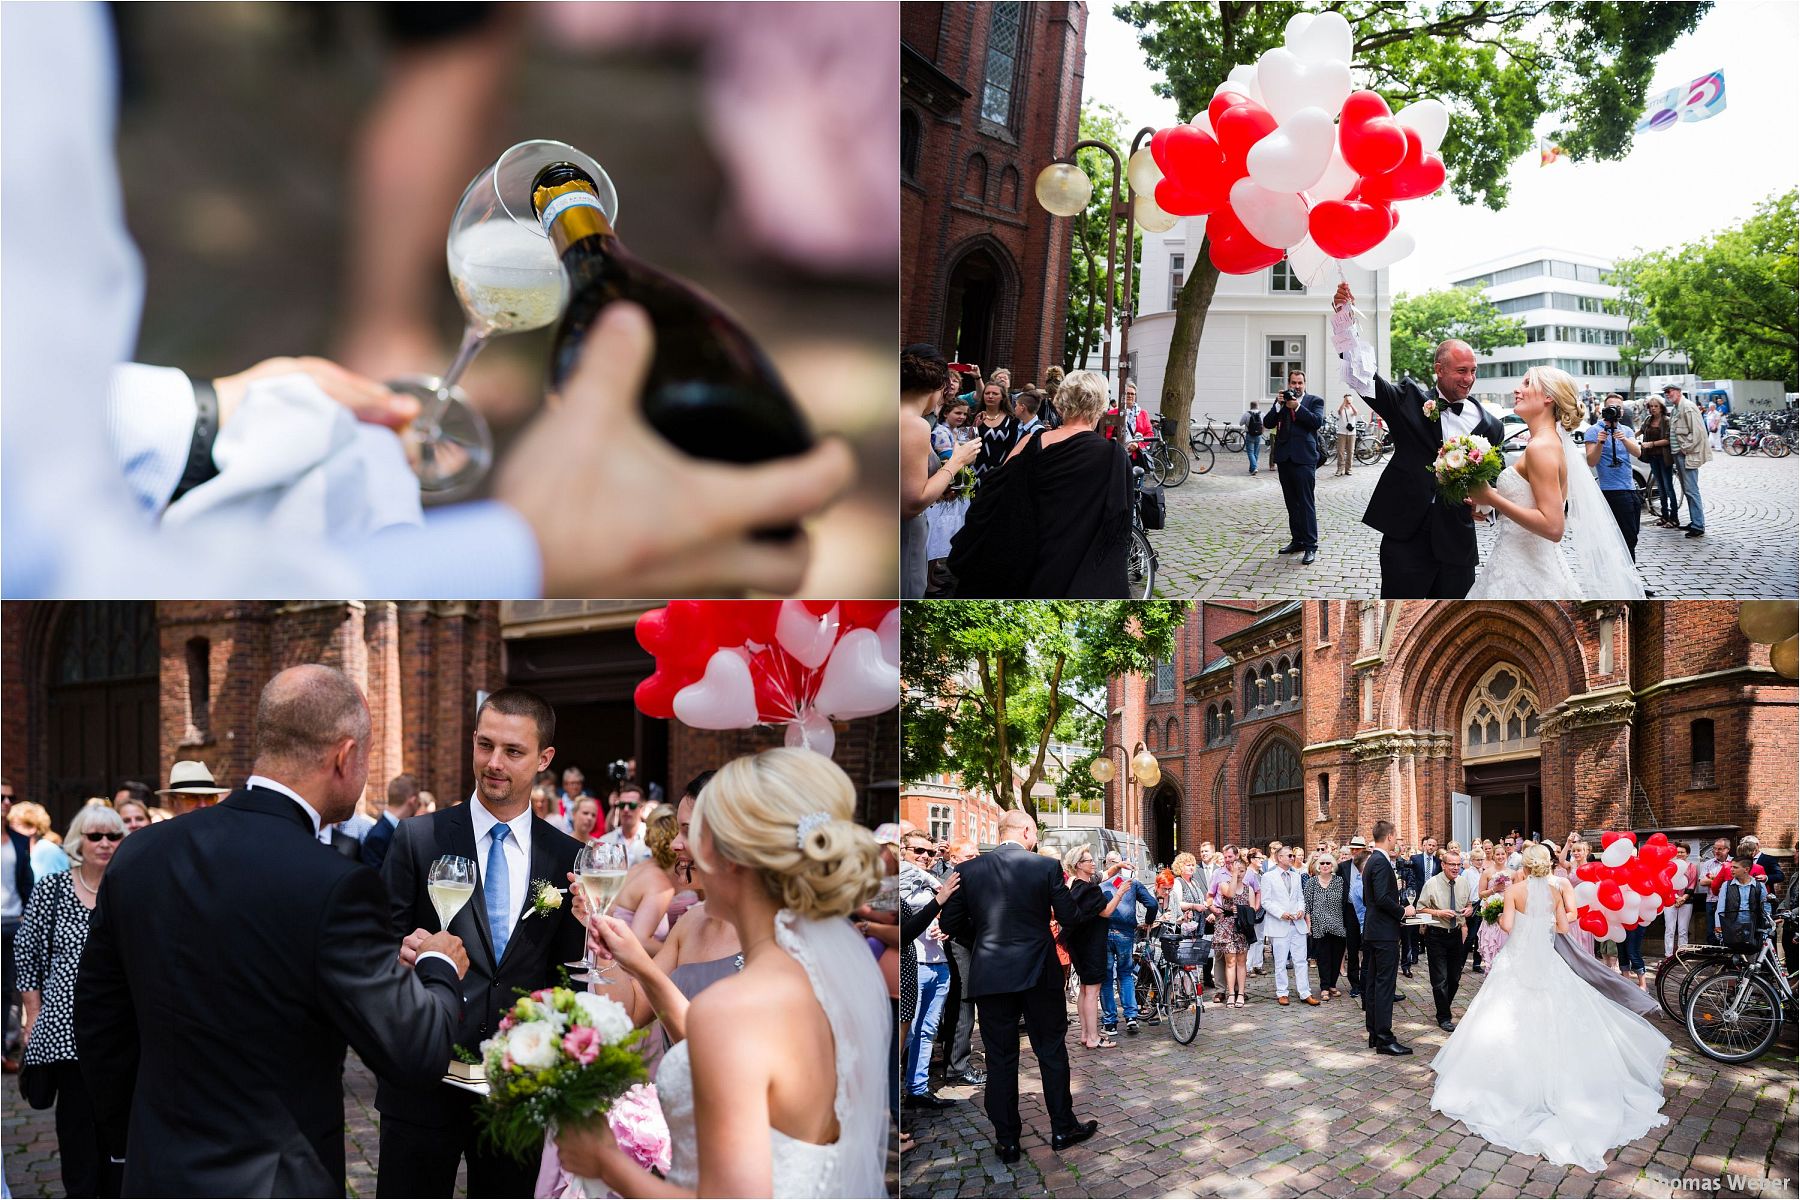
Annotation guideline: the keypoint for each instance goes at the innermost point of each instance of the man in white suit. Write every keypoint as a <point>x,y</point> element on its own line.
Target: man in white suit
<point>1284,906</point>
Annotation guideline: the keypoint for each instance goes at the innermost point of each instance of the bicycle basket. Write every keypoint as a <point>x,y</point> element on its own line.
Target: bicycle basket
<point>1191,952</point>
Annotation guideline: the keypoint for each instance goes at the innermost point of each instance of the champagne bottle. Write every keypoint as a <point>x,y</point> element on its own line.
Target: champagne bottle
<point>710,390</point>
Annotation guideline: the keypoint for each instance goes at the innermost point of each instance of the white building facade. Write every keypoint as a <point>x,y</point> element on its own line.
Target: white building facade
<point>1258,327</point>
<point>1572,321</point>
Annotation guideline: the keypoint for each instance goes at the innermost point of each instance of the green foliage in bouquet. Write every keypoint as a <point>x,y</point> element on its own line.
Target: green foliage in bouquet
<point>1491,908</point>
<point>1465,463</point>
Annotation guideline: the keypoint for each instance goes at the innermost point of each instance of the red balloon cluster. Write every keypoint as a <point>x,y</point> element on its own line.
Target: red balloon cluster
<point>730,664</point>
<point>1628,885</point>
<point>1199,169</point>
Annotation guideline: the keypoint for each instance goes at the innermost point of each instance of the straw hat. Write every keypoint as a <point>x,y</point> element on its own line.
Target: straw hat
<point>189,777</point>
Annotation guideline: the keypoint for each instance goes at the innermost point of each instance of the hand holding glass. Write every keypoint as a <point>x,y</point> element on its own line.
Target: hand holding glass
<point>450,883</point>
<point>600,870</point>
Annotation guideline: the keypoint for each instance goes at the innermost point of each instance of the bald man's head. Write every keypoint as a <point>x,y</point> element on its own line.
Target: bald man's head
<point>1455,367</point>
<point>1020,826</point>
<point>312,726</point>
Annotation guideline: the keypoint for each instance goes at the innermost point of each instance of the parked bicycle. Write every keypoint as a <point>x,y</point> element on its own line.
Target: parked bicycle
<point>1165,464</point>
<point>1735,1015</point>
<point>1676,970</point>
<point>1746,441</point>
<point>1228,437</point>
<point>1173,968</point>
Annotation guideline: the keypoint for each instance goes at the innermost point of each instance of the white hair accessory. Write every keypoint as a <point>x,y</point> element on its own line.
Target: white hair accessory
<point>807,824</point>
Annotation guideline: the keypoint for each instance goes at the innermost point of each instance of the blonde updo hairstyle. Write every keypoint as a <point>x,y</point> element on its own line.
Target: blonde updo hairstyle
<point>659,836</point>
<point>1537,860</point>
<point>752,810</point>
<point>1081,398</point>
<point>1559,388</point>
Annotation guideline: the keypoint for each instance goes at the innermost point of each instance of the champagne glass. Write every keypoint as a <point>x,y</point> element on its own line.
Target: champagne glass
<point>508,279</point>
<point>600,869</point>
<point>450,883</point>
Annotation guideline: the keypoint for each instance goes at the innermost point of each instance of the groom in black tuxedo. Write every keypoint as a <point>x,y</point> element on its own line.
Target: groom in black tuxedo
<point>1296,417</point>
<point>1002,910</point>
<point>1381,940</point>
<point>1427,545</point>
<point>231,957</point>
<point>427,1128</point>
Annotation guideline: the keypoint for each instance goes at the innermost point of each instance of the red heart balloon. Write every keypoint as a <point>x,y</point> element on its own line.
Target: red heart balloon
<point>1591,872</point>
<point>781,684</point>
<point>1213,194</point>
<point>1610,896</point>
<point>1419,174</point>
<point>1158,141</point>
<point>756,618</point>
<point>865,614</point>
<point>1593,922</point>
<point>1219,103</point>
<point>1657,839</point>
<point>1238,128</point>
<point>655,696</point>
<point>1346,228</point>
<point>819,608</point>
<point>1233,250</point>
<point>1191,154</point>
<point>653,630</point>
<point>1372,141</point>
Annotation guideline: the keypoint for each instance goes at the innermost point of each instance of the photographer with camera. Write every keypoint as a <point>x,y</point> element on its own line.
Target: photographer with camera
<point>1296,420</point>
<point>1611,445</point>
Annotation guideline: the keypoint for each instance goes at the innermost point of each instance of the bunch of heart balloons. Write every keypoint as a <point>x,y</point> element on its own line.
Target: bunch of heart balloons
<point>731,664</point>
<point>1289,162</point>
<point>1628,884</point>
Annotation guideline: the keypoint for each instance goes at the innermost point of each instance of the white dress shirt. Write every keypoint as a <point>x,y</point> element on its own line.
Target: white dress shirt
<point>1283,896</point>
<point>516,848</point>
<point>636,850</point>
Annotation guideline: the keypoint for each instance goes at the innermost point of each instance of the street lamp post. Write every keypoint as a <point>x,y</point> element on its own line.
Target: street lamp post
<point>1142,766</point>
<point>1064,190</point>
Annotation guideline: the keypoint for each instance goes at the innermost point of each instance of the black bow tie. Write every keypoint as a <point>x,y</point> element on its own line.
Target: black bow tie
<point>1455,406</point>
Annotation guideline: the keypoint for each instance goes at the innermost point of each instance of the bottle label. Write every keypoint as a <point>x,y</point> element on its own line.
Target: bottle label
<point>571,199</point>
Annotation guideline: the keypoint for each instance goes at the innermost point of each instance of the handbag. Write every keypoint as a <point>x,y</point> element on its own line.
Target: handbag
<point>37,1084</point>
<point>1153,506</point>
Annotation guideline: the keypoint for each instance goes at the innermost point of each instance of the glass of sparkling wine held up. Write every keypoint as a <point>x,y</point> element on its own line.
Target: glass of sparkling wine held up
<point>600,874</point>
<point>450,883</point>
<point>508,279</point>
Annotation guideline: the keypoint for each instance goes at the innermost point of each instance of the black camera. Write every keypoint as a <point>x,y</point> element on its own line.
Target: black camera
<point>618,770</point>
<point>1612,414</point>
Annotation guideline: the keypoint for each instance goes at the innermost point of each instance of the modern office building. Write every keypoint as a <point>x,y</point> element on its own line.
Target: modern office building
<point>1572,320</point>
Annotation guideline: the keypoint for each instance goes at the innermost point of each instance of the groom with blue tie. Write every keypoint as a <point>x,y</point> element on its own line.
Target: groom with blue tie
<point>426,1131</point>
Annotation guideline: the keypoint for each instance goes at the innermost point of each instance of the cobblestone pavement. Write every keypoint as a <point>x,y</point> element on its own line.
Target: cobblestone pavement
<point>1272,1101</point>
<point>34,1169</point>
<point>1224,528</point>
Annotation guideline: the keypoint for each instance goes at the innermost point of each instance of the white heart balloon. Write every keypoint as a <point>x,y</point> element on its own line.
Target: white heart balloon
<point>1337,181</point>
<point>1143,172</point>
<point>807,637</point>
<point>1273,218</point>
<point>1308,262</point>
<point>858,681</point>
<point>1586,894</point>
<point>1325,38</point>
<point>1291,84</point>
<point>1429,119</point>
<point>1295,156</point>
<point>1618,854</point>
<point>811,732</point>
<point>890,637</point>
<point>723,698</point>
<point>1203,122</point>
<point>1296,25</point>
<point>1394,247</point>
<point>1244,76</point>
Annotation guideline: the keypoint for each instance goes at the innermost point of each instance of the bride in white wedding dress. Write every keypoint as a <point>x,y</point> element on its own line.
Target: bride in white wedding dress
<point>1530,997</point>
<point>1549,493</point>
<point>775,1084</point>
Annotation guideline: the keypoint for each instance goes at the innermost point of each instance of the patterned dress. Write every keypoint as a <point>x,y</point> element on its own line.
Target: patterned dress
<point>1226,938</point>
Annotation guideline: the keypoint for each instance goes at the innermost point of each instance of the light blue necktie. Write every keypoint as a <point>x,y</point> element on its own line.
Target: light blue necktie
<point>497,893</point>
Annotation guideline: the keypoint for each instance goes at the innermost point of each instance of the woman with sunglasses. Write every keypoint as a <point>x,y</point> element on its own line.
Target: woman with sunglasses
<point>48,952</point>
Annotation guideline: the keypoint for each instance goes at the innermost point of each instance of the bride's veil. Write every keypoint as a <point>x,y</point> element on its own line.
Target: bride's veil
<point>1603,566</point>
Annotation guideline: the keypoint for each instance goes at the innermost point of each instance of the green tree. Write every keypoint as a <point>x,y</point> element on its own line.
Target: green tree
<point>1501,66</point>
<point>986,685</point>
<point>1729,299</point>
<point>1084,329</point>
<point>1643,345</point>
<point>1422,321</point>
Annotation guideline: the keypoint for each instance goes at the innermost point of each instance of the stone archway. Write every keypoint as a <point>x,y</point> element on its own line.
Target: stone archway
<point>1274,793</point>
<point>980,293</point>
<point>1162,821</point>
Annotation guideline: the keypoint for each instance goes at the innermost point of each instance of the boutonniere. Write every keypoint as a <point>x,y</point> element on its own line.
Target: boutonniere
<point>1431,409</point>
<point>542,899</point>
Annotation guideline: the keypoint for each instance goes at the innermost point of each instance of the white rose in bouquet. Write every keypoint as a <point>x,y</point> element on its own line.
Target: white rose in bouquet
<point>607,1016</point>
<point>533,1044</point>
<point>1456,459</point>
<point>1481,444</point>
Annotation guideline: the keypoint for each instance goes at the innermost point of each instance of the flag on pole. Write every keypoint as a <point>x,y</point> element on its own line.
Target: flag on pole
<point>1549,152</point>
<point>1703,98</point>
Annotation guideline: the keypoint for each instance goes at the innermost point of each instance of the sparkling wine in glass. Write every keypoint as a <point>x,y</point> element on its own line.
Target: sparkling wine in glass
<point>450,883</point>
<point>600,869</point>
<point>508,279</point>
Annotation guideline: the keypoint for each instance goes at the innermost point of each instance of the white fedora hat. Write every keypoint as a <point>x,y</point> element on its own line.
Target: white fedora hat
<point>189,777</point>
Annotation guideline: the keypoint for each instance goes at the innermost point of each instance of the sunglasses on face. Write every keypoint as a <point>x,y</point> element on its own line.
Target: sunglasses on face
<point>104,837</point>
<point>630,804</point>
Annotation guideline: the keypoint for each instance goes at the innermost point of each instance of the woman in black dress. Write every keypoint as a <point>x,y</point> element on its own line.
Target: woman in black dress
<point>1055,522</point>
<point>1086,940</point>
<point>997,427</point>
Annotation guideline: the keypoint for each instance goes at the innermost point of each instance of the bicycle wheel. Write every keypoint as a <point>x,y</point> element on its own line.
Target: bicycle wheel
<point>1140,566</point>
<point>1368,451</point>
<point>1176,466</point>
<point>1671,973</point>
<point>1776,446</point>
<point>1184,1006</point>
<point>1702,972</point>
<point>1149,990</point>
<point>1735,443</point>
<point>1233,440</point>
<point>1202,457</point>
<point>1733,1018</point>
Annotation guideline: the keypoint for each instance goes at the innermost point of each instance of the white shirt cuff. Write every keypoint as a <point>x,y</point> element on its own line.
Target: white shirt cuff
<point>434,954</point>
<point>481,550</point>
<point>150,423</point>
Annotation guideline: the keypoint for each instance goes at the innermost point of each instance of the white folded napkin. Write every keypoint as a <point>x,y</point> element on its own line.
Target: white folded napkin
<point>295,462</point>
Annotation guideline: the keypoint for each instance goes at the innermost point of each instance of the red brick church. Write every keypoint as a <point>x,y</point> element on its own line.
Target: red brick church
<point>1311,719</point>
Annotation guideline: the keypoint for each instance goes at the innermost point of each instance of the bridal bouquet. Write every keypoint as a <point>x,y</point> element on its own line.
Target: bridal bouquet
<point>1463,463</point>
<point>1491,908</point>
<point>560,1057</point>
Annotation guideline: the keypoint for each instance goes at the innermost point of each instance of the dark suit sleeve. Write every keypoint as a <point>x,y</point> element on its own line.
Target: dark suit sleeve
<point>375,846</point>
<point>571,935</point>
<point>1386,400</point>
<point>402,1023</point>
<point>1062,904</point>
<point>1310,414</point>
<point>1379,892</point>
<point>106,1030</point>
<point>955,919</point>
<point>401,875</point>
<point>1773,870</point>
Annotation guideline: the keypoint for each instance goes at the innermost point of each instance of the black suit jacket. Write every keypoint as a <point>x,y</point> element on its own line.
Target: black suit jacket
<point>1423,871</point>
<point>1381,899</point>
<point>1295,442</point>
<point>22,872</point>
<point>537,947</point>
<point>1342,871</point>
<point>1406,494</point>
<point>231,958</point>
<point>1002,913</point>
<point>376,843</point>
<point>347,846</point>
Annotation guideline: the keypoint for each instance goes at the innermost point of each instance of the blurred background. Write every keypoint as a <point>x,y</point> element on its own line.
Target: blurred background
<point>290,171</point>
